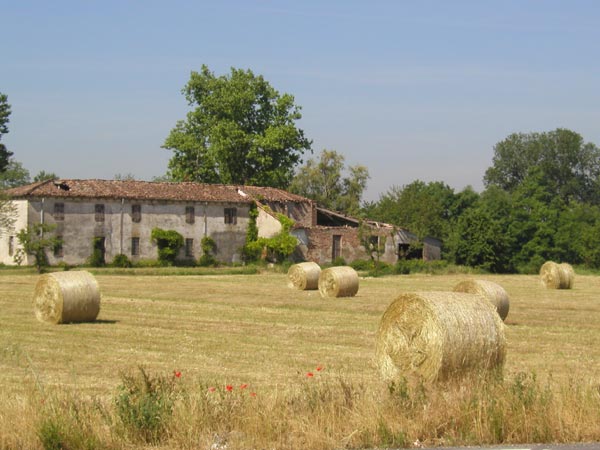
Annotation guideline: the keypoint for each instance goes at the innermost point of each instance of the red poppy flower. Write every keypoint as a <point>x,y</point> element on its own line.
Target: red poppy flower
<point>319,368</point>
<point>229,387</point>
<point>177,373</point>
<point>243,386</point>
<point>212,389</point>
<point>252,394</point>
<point>310,374</point>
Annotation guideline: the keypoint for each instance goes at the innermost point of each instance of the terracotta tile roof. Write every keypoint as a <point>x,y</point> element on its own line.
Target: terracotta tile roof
<point>146,190</point>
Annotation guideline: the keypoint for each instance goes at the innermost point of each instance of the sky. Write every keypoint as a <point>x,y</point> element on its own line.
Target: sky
<point>411,90</point>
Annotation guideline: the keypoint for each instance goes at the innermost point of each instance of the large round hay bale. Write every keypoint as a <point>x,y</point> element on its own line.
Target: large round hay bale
<point>437,336</point>
<point>64,297</point>
<point>338,282</point>
<point>557,276</point>
<point>304,276</point>
<point>493,292</point>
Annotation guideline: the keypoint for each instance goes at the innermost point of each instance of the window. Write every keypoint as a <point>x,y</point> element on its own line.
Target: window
<point>189,214</point>
<point>11,245</point>
<point>58,248</point>
<point>99,210</point>
<point>59,211</point>
<point>136,213</point>
<point>231,216</point>
<point>135,246</point>
<point>189,248</point>
<point>336,247</point>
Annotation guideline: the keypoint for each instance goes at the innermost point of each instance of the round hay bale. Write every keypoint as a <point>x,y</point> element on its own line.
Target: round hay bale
<point>437,336</point>
<point>338,282</point>
<point>488,289</point>
<point>567,275</point>
<point>64,297</point>
<point>304,276</point>
<point>557,276</point>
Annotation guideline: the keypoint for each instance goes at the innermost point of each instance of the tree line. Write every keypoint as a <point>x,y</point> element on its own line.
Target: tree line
<point>541,199</point>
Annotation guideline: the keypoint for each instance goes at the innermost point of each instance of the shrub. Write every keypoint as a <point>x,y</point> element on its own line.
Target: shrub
<point>208,246</point>
<point>339,261</point>
<point>97,256</point>
<point>121,260</point>
<point>169,243</point>
<point>145,405</point>
<point>361,264</point>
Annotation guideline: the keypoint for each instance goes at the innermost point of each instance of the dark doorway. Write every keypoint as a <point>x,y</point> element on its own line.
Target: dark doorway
<point>336,247</point>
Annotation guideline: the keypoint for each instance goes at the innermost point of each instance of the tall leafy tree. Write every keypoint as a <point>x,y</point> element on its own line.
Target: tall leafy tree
<point>4,115</point>
<point>327,181</point>
<point>479,236</point>
<point>42,175</point>
<point>426,209</point>
<point>240,131</point>
<point>570,167</point>
<point>14,175</point>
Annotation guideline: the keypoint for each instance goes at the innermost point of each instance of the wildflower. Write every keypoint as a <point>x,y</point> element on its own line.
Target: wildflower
<point>252,394</point>
<point>229,388</point>
<point>310,374</point>
<point>177,373</point>
<point>212,389</point>
<point>319,368</point>
<point>243,386</point>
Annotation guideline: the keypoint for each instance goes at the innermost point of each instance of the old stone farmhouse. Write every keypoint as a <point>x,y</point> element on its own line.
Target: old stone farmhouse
<point>118,217</point>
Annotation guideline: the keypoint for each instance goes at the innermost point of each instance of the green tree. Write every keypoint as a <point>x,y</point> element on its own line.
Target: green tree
<point>241,131</point>
<point>4,119</point>
<point>577,239</point>
<point>426,209</point>
<point>42,175</point>
<point>322,180</point>
<point>14,175</point>
<point>479,235</point>
<point>124,176</point>
<point>534,222</point>
<point>35,240</point>
<point>570,167</point>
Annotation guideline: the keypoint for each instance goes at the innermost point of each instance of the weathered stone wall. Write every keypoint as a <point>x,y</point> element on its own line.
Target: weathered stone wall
<point>267,225</point>
<point>9,239</point>
<point>303,214</point>
<point>79,227</point>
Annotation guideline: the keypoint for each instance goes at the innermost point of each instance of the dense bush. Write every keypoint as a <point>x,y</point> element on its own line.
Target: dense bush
<point>169,243</point>
<point>209,246</point>
<point>121,260</point>
<point>97,256</point>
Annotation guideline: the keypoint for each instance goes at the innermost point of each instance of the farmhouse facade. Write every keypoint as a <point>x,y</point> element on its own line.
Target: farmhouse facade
<point>117,217</point>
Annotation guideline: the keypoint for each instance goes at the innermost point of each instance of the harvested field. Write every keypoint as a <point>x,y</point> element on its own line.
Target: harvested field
<point>309,361</point>
<point>253,328</point>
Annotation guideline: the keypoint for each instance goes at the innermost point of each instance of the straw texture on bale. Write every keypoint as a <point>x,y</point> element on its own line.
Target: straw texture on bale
<point>338,282</point>
<point>437,336</point>
<point>304,276</point>
<point>557,276</point>
<point>493,292</point>
<point>64,297</point>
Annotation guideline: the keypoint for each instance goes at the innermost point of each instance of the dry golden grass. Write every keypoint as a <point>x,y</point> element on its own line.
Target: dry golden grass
<point>253,329</point>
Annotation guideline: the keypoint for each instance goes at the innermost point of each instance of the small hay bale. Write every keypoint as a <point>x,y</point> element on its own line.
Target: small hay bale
<point>435,336</point>
<point>488,289</point>
<point>304,276</point>
<point>557,276</point>
<point>338,282</point>
<point>64,297</point>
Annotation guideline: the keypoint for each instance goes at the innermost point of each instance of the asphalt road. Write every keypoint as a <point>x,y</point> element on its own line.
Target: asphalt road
<point>589,446</point>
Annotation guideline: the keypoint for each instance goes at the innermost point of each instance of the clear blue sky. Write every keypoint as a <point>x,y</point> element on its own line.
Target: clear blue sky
<point>412,90</point>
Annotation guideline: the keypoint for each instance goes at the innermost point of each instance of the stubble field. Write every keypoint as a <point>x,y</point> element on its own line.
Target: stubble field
<point>221,330</point>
